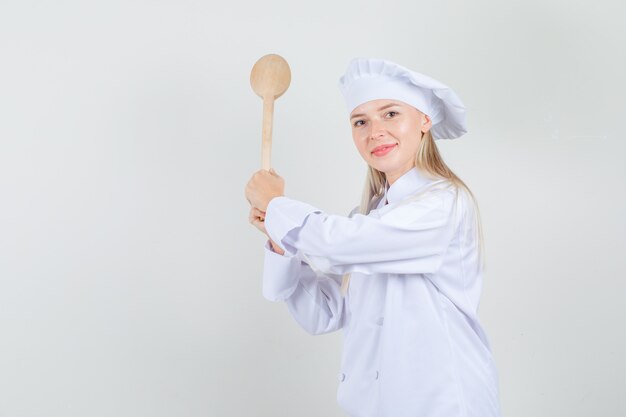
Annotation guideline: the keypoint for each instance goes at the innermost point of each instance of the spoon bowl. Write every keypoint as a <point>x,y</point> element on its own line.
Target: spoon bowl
<point>270,76</point>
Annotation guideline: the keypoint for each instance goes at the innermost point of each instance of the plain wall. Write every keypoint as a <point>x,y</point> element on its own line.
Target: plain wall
<point>130,278</point>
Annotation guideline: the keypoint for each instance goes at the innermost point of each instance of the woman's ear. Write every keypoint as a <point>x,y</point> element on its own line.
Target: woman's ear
<point>426,123</point>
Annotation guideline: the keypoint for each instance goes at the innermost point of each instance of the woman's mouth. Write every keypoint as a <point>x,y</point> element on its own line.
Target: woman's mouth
<point>384,150</point>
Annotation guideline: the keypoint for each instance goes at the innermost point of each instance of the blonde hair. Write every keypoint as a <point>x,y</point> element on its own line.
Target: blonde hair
<point>430,162</point>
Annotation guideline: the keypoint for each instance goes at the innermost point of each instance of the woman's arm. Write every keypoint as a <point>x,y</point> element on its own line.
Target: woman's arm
<point>274,247</point>
<point>313,300</point>
<point>410,238</point>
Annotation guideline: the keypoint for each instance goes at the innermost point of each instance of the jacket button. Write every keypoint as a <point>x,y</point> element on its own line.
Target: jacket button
<point>380,321</point>
<point>376,375</point>
<point>342,376</point>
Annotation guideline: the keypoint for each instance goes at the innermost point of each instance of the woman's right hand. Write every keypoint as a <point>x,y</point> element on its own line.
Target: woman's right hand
<point>257,218</point>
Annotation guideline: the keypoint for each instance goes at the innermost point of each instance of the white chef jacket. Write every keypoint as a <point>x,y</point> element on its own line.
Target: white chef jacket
<point>413,344</point>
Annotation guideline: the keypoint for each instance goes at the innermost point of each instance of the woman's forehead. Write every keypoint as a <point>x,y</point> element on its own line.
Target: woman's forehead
<point>378,104</point>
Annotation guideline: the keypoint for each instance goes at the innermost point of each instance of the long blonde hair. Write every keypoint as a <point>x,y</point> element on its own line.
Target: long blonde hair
<point>430,161</point>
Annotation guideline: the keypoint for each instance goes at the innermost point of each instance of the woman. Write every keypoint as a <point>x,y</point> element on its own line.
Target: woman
<point>402,273</point>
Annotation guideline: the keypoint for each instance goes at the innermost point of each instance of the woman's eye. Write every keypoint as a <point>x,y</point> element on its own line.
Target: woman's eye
<point>357,123</point>
<point>394,113</point>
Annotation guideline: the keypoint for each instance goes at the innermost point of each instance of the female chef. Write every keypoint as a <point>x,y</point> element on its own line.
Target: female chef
<point>402,273</point>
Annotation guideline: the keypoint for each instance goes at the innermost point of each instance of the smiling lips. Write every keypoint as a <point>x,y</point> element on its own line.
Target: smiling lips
<point>383,149</point>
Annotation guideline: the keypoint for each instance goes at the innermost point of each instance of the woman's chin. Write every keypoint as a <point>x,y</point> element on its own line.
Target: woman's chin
<point>383,166</point>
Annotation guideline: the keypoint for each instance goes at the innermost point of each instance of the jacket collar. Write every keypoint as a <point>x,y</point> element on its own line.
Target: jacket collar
<point>407,184</point>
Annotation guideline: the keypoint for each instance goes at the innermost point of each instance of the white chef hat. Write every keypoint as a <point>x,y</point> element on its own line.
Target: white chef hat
<point>370,79</point>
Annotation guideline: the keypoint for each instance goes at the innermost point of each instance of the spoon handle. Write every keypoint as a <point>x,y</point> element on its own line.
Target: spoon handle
<point>266,146</point>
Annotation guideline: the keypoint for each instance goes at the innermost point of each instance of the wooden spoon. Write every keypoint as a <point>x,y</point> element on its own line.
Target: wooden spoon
<point>270,78</point>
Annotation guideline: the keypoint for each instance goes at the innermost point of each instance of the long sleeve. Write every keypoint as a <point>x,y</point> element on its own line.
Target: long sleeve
<point>313,300</point>
<point>410,238</point>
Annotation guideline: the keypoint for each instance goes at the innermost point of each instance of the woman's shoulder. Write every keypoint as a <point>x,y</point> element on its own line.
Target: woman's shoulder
<point>439,196</point>
<point>436,190</point>
<point>445,190</point>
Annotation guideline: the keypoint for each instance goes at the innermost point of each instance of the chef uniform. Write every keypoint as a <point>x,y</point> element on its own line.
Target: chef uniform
<point>413,343</point>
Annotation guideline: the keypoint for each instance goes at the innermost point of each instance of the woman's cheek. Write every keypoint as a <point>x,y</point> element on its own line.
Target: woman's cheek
<point>364,150</point>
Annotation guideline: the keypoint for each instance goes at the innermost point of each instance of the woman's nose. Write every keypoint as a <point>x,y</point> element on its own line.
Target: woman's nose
<point>376,130</point>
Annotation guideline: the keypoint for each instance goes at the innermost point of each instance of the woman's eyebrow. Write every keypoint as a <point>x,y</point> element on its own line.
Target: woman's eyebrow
<point>382,108</point>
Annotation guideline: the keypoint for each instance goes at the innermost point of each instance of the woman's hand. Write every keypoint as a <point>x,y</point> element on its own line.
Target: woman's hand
<point>257,218</point>
<point>262,187</point>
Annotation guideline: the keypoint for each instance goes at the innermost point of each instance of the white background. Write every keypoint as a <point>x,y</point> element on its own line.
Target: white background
<point>130,278</point>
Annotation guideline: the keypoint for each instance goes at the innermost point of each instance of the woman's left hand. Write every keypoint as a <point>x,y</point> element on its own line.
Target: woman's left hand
<point>263,186</point>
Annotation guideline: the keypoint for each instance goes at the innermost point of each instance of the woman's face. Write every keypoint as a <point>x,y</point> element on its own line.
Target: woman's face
<point>388,122</point>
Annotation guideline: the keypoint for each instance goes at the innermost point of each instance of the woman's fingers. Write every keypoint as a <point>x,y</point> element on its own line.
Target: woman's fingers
<point>259,213</point>
<point>255,211</point>
<point>257,217</point>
